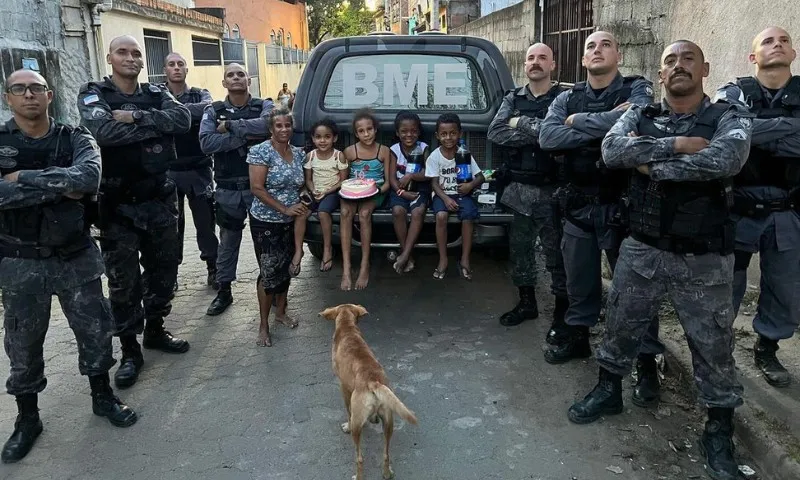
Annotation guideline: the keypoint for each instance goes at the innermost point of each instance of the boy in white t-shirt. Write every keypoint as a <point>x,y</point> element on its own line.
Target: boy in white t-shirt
<point>453,192</point>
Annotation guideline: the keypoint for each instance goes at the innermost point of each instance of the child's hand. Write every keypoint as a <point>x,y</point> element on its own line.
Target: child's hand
<point>405,181</point>
<point>318,195</point>
<point>465,188</point>
<point>411,196</point>
<point>451,204</point>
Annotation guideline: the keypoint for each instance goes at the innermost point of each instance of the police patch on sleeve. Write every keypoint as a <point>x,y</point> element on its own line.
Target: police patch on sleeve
<point>98,113</point>
<point>649,90</point>
<point>745,122</point>
<point>738,134</point>
<point>90,99</point>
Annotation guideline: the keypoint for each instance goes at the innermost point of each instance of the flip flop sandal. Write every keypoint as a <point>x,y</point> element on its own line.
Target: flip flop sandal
<point>466,273</point>
<point>294,269</point>
<point>438,274</point>
<point>326,265</point>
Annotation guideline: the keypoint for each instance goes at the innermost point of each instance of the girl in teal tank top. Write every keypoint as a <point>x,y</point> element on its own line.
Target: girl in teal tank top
<point>374,166</point>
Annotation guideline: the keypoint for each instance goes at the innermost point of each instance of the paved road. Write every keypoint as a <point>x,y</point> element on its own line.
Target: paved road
<point>489,406</point>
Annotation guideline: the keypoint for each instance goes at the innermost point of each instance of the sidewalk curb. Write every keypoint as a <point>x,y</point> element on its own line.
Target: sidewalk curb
<point>773,460</point>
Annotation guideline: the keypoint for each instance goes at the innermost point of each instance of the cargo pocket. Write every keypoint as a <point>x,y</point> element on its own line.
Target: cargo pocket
<point>710,269</point>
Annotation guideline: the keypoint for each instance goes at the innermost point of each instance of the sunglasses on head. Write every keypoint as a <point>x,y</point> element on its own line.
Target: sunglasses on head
<point>18,89</point>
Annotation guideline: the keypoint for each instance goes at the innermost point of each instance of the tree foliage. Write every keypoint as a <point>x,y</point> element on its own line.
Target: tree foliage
<point>337,18</point>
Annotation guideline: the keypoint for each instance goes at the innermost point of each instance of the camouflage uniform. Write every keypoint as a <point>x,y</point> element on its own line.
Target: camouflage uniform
<point>533,212</point>
<point>146,226</point>
<point>194,180</point>
<point>699,285</point>
<point>28,284</point>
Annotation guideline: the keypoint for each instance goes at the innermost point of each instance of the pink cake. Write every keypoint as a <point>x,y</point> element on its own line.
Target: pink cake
<point>358,188</point>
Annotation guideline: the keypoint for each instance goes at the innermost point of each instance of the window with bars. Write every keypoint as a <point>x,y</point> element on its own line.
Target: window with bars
<point>565,27</point>
<point>206,51</point>
<point>156,49</point>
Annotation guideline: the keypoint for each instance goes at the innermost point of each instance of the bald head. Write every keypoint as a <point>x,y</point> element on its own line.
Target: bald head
<point>28,96</point>
<point>683,68</point>
<point>123,40</point>
<point>679,46</point>
<point>772,49</point>
<point>175,68</point>
<point>26,77</point>
<point>601,54</point>
<point>125,57</point>
<point>236,79</point>
<point>174,57</point>
<point>539,63</point>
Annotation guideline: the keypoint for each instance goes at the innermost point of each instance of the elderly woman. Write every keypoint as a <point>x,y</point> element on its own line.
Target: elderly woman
<point>276,177</point>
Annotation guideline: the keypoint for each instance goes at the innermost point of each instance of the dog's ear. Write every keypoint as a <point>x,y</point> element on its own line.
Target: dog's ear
<point>329,313</point>
<point>359,311</point>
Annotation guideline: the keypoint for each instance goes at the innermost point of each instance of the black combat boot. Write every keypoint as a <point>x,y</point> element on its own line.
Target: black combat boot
<point>558,330</point>
<point>211,279</point>
<point>157,338</point>
<point>222,301</point>
<point>106,404</point>
<point>766,361</point>
<point>131,363</point>
<point>27,429</point>
<point>605,399</point>
<point>645,392</point>
<point>717,445</point>
<point>526,309</point>
<point>574,345</point>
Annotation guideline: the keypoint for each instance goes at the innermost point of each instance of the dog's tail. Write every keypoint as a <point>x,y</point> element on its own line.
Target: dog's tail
<point>387,397</point>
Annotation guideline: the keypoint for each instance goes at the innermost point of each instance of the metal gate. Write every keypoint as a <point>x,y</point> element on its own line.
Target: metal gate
<point>252,69</point>
<point>565,26</point>
<point>156,49</point>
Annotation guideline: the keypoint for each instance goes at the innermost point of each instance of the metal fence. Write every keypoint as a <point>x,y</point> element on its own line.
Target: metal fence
<point>156,49</point>
<point>278,54</point>
<point>567,24</point>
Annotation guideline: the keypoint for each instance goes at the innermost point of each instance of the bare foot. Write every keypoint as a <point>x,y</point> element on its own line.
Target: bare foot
<point>442,265</point>
<point>400,264</point>
<point>286,321</point>
<point>346,427</point>
<point>363,278</point>
<point>347,283</point>
<point>264,339</point>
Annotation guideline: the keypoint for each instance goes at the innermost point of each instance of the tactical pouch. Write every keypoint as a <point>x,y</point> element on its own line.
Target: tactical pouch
<point>158,154</point>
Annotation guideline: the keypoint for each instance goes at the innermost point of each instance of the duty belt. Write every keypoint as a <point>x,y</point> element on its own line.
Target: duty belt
<point>689,246</point>
<point>233,184</point>
<point>39,252</point>
<point>748,207</point>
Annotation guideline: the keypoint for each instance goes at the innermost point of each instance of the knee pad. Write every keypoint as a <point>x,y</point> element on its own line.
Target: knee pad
<point>226,221</point>
<point>741,260</point>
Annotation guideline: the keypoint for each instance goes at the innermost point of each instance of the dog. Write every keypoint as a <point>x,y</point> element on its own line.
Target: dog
<point>363,383</point>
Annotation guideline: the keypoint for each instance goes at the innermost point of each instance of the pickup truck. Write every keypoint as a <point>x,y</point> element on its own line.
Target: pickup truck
<point>428,74</point>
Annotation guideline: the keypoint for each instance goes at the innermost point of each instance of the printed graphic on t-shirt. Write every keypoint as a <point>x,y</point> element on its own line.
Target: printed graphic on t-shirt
<point>447,171</point>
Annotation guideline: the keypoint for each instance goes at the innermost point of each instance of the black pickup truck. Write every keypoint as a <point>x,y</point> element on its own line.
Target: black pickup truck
<point>428,74</point>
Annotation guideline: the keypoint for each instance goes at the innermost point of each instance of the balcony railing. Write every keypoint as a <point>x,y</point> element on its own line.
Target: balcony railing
<point>277,54</point>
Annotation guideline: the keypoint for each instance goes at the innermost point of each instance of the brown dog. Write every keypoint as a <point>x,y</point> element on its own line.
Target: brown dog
<point>364,384</point>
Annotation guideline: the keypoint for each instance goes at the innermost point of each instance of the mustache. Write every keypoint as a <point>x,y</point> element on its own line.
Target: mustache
<point>680,72</point>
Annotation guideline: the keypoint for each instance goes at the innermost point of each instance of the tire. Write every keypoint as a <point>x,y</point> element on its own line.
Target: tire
<point>316,250</point>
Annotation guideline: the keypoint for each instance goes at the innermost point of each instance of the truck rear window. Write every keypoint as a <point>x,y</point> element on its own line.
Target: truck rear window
<point>409,81</point>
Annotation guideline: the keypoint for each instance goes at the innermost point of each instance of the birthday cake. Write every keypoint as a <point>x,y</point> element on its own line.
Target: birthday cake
<point>358,188</point>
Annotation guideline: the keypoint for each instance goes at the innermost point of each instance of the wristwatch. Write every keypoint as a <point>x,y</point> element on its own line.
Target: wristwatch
<point>137,115</point>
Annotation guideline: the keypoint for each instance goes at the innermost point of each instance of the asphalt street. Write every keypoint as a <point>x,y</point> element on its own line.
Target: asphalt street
<point>489,407</point>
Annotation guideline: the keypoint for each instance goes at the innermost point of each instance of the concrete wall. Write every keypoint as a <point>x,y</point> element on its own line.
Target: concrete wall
<point>724,29</point>
<point>491,6</point>
<point>118,23</point>
<point>272,76</point>
<point>511,29</point>
<point>57,34</point>
<point>258,18</point>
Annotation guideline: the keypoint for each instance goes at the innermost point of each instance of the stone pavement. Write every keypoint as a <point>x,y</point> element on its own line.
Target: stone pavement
<point>489,407</point>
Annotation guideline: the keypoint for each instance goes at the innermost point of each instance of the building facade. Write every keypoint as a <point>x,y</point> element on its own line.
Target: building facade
<point>274,22</point>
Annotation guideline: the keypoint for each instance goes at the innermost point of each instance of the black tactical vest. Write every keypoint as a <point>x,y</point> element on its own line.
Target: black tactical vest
<point>530,164</point>
<point>233,163</point>
<point>764,168</point>
<point>695,212</point>
<point>583,166</point>
<point>187,145</point>
<point>56,224</point>
<point>133,163</point>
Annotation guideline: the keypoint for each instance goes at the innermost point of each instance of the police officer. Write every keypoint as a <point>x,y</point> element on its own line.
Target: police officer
<point>767,197</point>
<point>229,128</point>
<point>134,124</point>
<point>530,175</point>
<point>685,152</point>
<point>191,170</point>
<point>576,123</point>
<point>47,168</point>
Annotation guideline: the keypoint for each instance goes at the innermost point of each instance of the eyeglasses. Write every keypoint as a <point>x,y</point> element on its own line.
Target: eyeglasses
<point>19,89</point>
